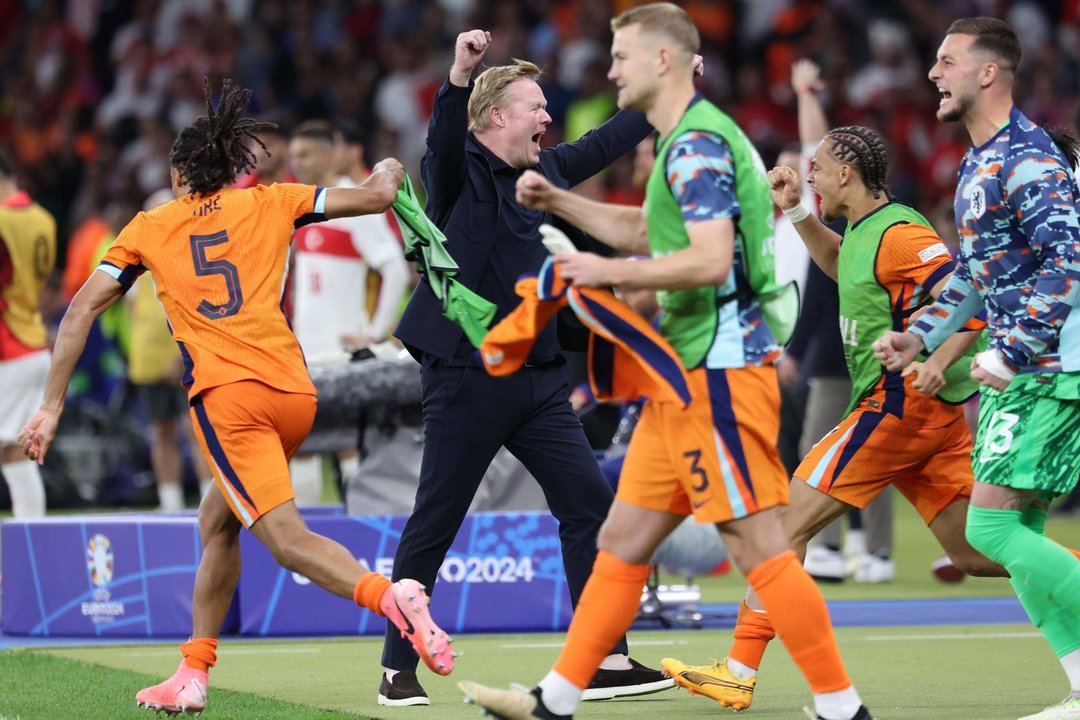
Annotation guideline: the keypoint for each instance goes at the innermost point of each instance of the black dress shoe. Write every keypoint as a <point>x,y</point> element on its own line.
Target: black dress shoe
<point>404,690</point>
<point>638,680</point>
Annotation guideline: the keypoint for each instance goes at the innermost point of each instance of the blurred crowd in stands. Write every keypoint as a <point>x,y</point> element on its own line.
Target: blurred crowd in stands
<point>94,91</point>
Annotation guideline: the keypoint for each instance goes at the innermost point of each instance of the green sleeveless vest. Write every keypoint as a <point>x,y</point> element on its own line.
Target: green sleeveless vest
<point>689,317</point>
<point>866,311</point>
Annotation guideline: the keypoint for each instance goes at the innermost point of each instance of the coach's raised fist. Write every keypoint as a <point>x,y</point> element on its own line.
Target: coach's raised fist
<point>468,51</point>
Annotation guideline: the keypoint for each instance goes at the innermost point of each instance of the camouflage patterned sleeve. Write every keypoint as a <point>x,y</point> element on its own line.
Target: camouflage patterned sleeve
<point>958,303</point>
<point>701,174</point>
<point>1041,193</point>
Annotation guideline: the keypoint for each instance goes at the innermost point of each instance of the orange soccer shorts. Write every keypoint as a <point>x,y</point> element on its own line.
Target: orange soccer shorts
<point>924,450</point>
<point>715,459</point>
<point>248,432</point>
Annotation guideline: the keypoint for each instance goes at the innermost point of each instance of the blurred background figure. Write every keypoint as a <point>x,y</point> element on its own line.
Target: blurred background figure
<point>272,161</point>
<point>155,370</point>
<point>349,277</point>
<point>27,256</point>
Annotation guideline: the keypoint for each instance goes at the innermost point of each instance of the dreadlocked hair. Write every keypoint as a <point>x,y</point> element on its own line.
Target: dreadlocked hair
<point>213,150</point>
<point>1067,143</point>
<point>864,149</point>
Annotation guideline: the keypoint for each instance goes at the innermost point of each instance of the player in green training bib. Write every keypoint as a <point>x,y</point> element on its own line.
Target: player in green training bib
<point>901,428</point>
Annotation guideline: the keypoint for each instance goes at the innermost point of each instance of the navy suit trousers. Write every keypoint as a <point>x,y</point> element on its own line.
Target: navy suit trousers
<point>468,415</point>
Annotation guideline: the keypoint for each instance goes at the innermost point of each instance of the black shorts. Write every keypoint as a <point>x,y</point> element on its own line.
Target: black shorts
<point>162,400</point>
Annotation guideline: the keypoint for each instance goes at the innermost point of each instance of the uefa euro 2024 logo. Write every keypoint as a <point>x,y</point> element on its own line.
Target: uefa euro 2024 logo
<point>101,608</point>
<point>99,560</point>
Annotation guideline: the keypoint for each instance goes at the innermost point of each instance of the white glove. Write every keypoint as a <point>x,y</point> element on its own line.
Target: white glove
<point>555,240</point>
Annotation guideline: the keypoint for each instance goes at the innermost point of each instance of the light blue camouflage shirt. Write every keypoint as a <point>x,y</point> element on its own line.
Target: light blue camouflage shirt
<point>701,174</point>
<point>1019,233</point>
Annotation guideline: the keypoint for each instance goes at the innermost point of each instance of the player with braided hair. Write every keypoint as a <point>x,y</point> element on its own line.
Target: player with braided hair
<point>218,257</point>
<point>212,151</point>
<point>904,428</point>
<point>863,148</point>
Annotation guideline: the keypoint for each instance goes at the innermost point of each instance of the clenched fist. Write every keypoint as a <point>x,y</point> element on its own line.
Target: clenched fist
<point>786,187</point>
<point>469,49</point>
<point>535,191</point>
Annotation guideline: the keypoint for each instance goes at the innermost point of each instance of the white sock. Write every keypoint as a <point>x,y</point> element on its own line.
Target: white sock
<point>839,705</point>
<point>170,497</point>
<point>390,674</point>
<point>559,694</point>
<point>26,488</point>
<point>350,467</point>
<point>1071,663</point>
<point>740,670</point>
<point>306,475</point>
<point>616,661</point>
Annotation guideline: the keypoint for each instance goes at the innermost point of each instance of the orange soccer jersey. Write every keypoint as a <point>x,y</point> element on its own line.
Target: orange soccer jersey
<point>911,260</point>
<point>895,434</point>
<point>219,263</point>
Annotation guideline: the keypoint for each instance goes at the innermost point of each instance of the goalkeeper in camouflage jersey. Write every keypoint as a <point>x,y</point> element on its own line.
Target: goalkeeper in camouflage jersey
<point>1020,259</point>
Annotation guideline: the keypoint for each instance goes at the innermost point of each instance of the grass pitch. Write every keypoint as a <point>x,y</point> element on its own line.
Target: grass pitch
<point>961,673</point>
<point>985,672</point>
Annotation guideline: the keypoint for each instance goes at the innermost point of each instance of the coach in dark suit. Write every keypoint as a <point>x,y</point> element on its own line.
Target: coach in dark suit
<point>480,139</point>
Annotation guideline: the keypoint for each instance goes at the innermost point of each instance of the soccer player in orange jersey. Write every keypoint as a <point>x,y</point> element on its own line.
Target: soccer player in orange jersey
<point>905,429</point>
<point>218,257</point>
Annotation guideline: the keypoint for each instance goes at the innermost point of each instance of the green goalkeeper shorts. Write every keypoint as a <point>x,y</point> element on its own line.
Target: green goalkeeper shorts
<point>1029,435</point>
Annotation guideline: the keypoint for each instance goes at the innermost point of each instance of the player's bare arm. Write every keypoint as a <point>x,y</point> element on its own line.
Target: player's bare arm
<point>823,243</point>
<point>706,262</point>
<point>96,296</point>
<point>619,226</point>
<point>930,373</point>
<point>372,196</point>
<point>469,49</point>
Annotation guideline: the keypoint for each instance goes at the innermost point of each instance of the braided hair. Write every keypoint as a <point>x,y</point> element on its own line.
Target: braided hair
<point>863,149</point>
<point>212,151</point>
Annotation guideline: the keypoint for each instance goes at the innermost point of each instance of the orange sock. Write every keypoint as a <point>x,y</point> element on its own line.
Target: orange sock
<point>798,613</point>
<point>200,653</point>
<point>606,609</point>
<point>369,591</point>
<point>753,631</point>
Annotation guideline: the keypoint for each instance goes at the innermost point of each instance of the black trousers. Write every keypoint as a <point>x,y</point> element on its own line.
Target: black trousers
<point>468,416</point>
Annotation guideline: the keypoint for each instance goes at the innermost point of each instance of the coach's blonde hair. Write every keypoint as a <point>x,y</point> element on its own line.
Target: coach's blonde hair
<point>665,18</point>
<point>493,90</point>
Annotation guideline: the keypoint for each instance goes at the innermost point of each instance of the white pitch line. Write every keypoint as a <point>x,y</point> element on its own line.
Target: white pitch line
<point>233,651</point>
<point>957,636</point>
<point>549,645</point>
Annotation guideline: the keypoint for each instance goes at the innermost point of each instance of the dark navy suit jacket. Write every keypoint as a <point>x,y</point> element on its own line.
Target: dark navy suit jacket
<point>494,239</point>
